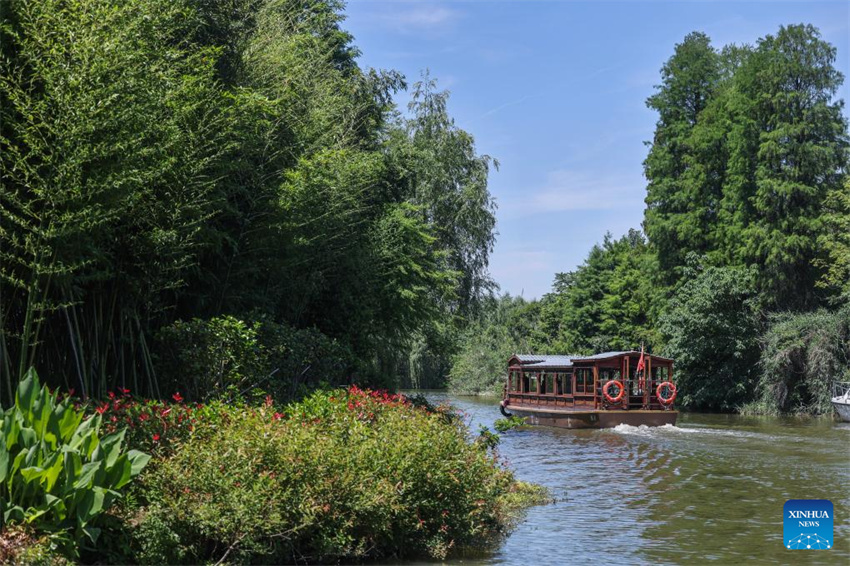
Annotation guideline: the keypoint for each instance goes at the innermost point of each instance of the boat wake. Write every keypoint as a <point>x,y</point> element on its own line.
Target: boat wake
<point>668,429</point>
<point>642,430</point>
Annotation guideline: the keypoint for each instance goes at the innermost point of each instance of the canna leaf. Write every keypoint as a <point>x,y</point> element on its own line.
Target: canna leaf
<point>27,391</point>
<point>32,473</point>
<point>4,462</point>
<point>110,445</point>
<point>121,473</point>
<point>87,474</point>
<point>138,461</point>
<point>91,505</point>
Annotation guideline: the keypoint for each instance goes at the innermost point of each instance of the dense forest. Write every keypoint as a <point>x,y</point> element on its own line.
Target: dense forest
<point>742,271</point>
<point>212,218</point>
<point>215,195</point>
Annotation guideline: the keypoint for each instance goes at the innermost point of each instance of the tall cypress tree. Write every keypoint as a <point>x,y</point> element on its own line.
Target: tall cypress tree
<point>676,215</point>
<point>788,149</point>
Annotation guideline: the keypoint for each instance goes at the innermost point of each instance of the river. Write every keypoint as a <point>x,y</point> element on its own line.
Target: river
<point>709,490</point>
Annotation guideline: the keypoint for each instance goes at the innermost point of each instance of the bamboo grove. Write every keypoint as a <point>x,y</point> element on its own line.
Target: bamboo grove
<point>167,160</point>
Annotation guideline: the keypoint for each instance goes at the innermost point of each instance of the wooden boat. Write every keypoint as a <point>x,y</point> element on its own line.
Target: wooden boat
<point>599,391</point>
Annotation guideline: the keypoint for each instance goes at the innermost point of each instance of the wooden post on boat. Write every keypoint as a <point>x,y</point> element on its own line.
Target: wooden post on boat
<point>595,384</point>
<point>626,383</point>
<point>647,385</point>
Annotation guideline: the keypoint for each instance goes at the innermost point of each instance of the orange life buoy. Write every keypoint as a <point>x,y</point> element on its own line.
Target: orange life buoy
<point>666,400</point>
<point>619,396</point>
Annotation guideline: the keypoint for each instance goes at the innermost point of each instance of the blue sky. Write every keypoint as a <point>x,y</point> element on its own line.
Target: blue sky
<point>556,90</point>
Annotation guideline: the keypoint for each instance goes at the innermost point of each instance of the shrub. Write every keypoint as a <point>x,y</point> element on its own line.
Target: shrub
<point>225,356</point>
<point>344,474</point>
<point>155,426</point>
<point>802,355</point>
<point>56,472</point>
<point>712,328</point>
<point>205,358</point>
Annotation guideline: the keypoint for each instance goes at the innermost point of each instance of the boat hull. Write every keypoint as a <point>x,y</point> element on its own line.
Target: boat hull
<point>592,418</point>
<point>843,409</point>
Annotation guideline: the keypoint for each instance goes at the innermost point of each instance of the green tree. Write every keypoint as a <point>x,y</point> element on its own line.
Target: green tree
<point>505,326</point>
<point>836,242</point>
<point>610,302</point>
<point>681,167</point>
<point>788,150</point>
<point>109,131</point>
<point>712,329</point>
<point>179,160</point>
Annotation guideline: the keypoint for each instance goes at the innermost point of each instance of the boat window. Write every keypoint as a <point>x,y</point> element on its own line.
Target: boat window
<point>559,384</point>
<point>532,384</point>
<point>549,383</point>
<point>526,383</point>
<point>584,380</point>
<point>568,383</point>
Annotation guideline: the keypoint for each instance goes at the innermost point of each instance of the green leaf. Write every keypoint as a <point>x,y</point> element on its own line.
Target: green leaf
<point>73,465</point>
<point>28,437</point>
<point>69,420</point>
<point>52,469</point>
<point>91,505</point>
<point>110,445</point>
<point>138,461</point>
<point>87,474</point>
<point>27,391</point>
<point>120,474</point>
<point>32,473</point>
<point>14,513</point>
<point>4,462</point>
<point>92,532</point>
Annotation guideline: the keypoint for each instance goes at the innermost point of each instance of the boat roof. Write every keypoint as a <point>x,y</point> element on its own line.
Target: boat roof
<point>561,361</point>
<point>540,361</point>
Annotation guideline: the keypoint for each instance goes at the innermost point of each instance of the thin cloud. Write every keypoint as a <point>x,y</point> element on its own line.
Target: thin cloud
<point>544,92</point>
<point>420,18</point>
<point>568,190</point>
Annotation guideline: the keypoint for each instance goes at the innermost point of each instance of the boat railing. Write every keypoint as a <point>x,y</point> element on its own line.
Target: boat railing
<point>840,388</point>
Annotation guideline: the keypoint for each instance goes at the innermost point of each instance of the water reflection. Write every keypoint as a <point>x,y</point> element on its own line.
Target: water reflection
<point>708,490</point>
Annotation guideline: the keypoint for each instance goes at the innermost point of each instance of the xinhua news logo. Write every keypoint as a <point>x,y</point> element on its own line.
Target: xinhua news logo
<point>808,524</point>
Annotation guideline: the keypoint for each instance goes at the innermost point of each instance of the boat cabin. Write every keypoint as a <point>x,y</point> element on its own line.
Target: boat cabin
<point>577,382</point>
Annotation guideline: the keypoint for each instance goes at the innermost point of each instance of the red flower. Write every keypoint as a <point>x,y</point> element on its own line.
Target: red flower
<point>165,411</point>
<point>278,416</point>
<point>144,416</point>
<point>269,401</point>
<point>177,397</point>
<point>102,409</point>
<point>125,391</point>
<point>156,438</point>
<point>71,392</point>
<point>112,395</point>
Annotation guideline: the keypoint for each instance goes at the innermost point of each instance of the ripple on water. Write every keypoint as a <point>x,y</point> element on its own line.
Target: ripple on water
<point>711,488</point>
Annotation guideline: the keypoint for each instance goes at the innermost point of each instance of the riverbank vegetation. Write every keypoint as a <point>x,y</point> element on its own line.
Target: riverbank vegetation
<point>214,221</point>
<point>741,272</point>
<point>344,474</point>
<point>226,176</point>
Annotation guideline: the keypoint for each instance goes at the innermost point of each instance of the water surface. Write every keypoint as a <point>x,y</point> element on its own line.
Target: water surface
<point>709,490</point>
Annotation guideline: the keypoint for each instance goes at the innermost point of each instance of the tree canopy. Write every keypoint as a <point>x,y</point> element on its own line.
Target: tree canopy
<point>166,160</point>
